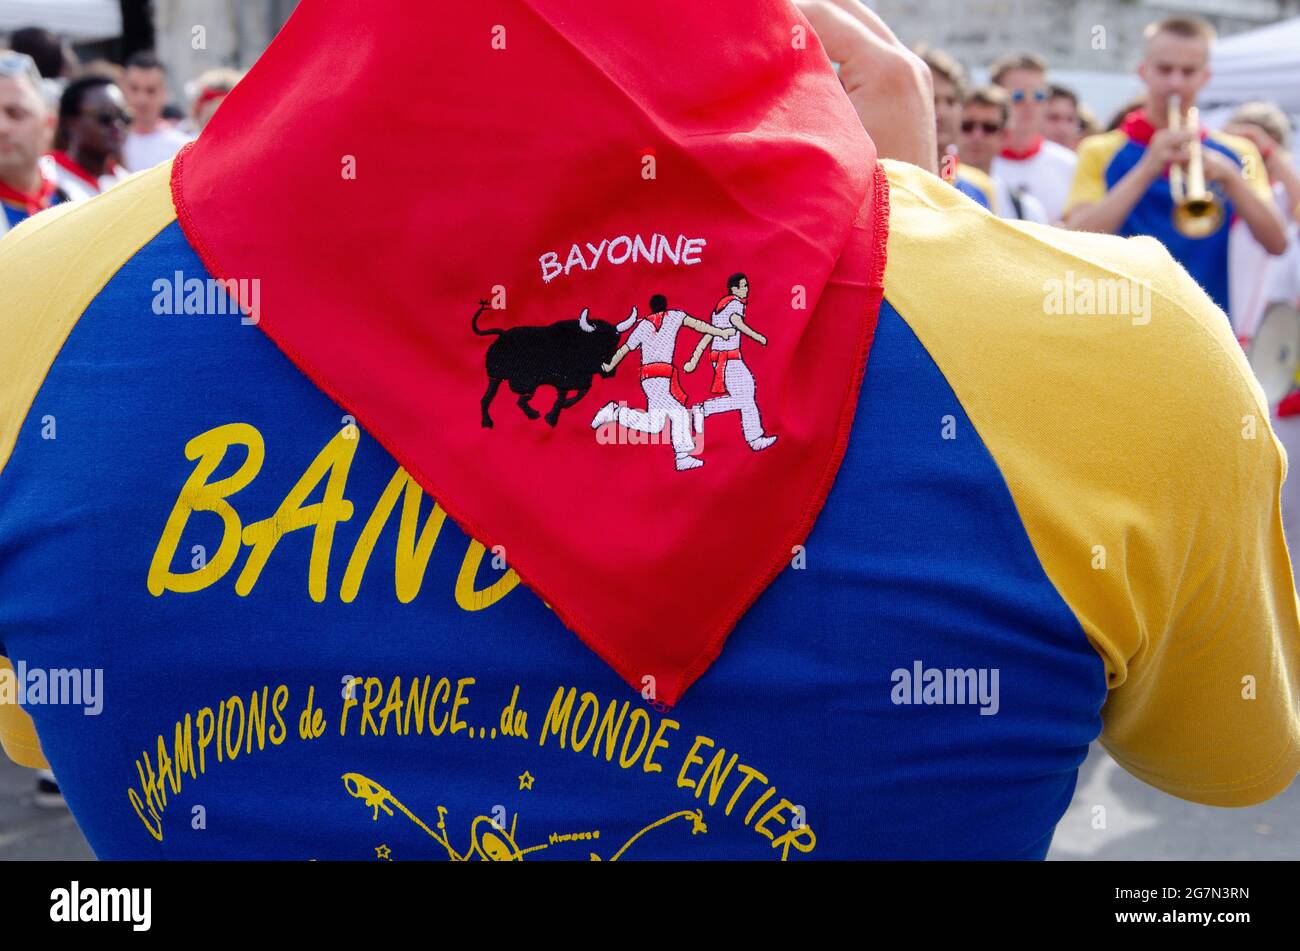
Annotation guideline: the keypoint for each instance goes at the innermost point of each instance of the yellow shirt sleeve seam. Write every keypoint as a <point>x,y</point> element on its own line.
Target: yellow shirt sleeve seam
<point>1288,760</point>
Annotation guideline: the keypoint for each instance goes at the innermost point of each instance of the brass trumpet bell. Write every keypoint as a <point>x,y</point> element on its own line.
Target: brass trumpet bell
<point>1197,212</point>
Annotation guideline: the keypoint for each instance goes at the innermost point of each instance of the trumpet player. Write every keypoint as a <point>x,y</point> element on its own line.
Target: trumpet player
<point>1160,175</point>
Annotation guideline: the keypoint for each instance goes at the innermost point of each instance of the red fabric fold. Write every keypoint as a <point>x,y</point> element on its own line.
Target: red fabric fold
<point>30,203</point>
<point>1137,126</point>
<point>562,174</point>
<point>1019,155</point>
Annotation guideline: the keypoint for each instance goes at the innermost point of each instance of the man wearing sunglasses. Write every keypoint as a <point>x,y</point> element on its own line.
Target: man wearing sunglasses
<point>26,124</point>
<point>1028,161</point>
<point>93,122</point>
<point>1123,184</point>
<point>949,80</point>
<point>1063,124</point>
<point>984,117</point>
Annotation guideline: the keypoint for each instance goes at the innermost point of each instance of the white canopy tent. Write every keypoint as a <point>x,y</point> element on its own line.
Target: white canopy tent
<point>1259,64</point>
<point>80,21</point>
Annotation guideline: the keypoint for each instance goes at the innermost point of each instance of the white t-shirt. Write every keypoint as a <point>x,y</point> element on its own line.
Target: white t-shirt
<point>1256,278</point>
<point>146,150</point>
<point>1031,209</point>
<point>75,181</point>
<point>1047,173</point>
<point>722,320</point>
<point>657,345</point>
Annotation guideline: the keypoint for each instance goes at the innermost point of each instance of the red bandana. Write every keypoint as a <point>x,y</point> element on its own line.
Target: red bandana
<point>207,96</point>
<point>1138,127</point>
<point>30,203</point>
<point>64,160</point>
<point>1029,151</point>
<point>562,177</point>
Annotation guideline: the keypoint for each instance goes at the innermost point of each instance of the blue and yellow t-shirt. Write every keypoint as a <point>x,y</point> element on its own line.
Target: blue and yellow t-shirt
<point>1105,159</point>
<point>1032,541</point>
<point>16,207</point>
<point>976,186</point>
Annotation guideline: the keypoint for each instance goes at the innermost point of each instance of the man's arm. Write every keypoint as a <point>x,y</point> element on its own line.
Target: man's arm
<point>1253,204</point>
<point>1170,552</point>
<point>694,361</point>
<point>889,85</point>
<point>739,323</point>
<point>712,331</point>
<point>619,354</point>
<point>709,331</point>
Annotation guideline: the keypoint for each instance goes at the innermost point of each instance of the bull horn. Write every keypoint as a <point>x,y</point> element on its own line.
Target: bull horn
<point>627,324</point>
<point>582,322</point>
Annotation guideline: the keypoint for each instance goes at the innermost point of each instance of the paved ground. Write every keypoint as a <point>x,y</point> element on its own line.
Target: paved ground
<point>1144,823</point>
<point>1141,822</point>
<point>30,833</point>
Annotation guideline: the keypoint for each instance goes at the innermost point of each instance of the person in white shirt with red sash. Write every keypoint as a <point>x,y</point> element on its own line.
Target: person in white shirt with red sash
<point>1030,162</point>
<point>93,119</point>
<point>656,336</point>
<point>732,380</point>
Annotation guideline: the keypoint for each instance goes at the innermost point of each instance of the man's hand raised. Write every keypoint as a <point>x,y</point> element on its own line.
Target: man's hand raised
<point>887,83</point>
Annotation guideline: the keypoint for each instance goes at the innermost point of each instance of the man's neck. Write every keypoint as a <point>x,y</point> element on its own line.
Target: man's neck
<point>143,127</point>
<point>1020,140</point>
<point>985,166</point>
<point>94,163</point>
<point>27,181</point>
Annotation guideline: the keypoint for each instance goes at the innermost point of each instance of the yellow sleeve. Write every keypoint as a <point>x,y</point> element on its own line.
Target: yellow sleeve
<point>1253,169</point>
<point>1095,153</point>
<point>1136,445</point>
<point>17,732</point>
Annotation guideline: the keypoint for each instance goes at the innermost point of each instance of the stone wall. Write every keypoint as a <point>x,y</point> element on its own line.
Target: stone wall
<point>1100,35</point>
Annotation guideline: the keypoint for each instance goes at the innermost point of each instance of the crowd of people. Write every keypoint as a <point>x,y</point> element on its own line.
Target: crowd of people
<point>1021,146</point>
<point>1028,149</point>
<point>70,130</point>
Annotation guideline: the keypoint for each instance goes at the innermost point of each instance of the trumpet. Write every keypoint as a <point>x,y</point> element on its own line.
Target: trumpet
<point>1197,212</point>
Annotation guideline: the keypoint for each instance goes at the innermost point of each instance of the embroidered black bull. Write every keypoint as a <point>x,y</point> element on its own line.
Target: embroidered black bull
<point>564,355</point>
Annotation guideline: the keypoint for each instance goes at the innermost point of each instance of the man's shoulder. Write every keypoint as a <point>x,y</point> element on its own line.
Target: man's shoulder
<point>1059,155</point>
<point>1099,375</point>
<point>53,265</point>
<point>1102,145</point>
<point>1035,285</point>
<point>1240,147</point>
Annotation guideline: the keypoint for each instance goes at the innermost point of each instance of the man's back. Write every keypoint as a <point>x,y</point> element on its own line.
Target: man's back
<point>1027,508</point>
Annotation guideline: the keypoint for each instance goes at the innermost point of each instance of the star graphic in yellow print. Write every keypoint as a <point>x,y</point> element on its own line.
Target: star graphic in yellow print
<point>384,852</point>
<point>526,780</point>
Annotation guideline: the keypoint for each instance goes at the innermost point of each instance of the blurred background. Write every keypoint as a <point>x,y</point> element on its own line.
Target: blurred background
<point>1257,45</point>
<point>237,30</point>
